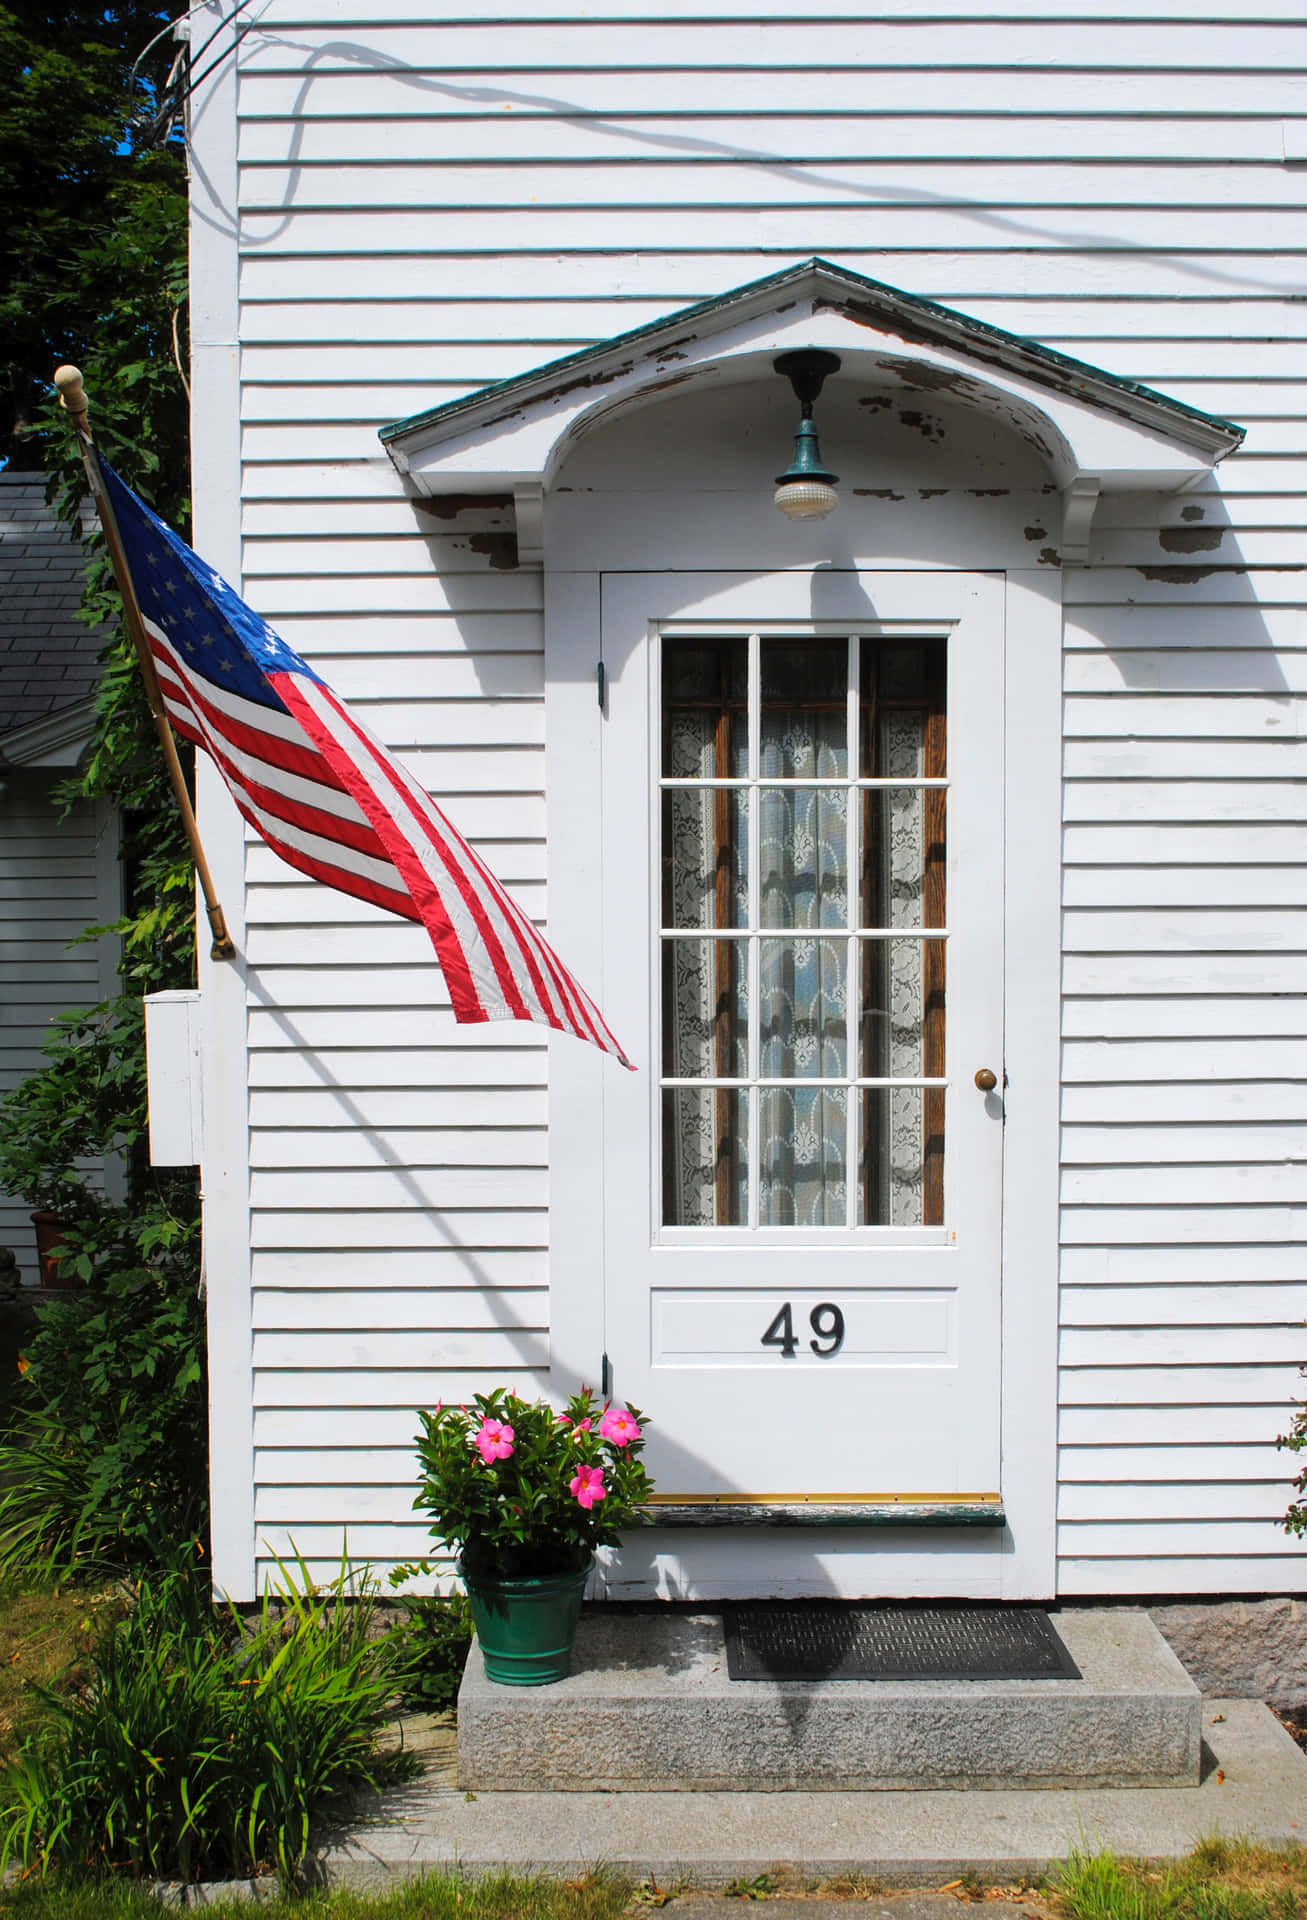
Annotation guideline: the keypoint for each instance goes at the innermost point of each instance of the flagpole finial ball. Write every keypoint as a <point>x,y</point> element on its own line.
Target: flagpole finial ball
<point>71,391</point>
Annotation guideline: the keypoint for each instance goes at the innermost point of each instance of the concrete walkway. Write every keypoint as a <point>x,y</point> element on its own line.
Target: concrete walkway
<point>1254,1785</point>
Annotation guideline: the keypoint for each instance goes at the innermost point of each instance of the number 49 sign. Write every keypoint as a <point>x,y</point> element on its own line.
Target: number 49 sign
<point>826,1321</point>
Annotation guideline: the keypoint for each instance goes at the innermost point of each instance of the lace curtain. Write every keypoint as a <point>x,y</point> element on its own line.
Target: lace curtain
<point>802,1017</point>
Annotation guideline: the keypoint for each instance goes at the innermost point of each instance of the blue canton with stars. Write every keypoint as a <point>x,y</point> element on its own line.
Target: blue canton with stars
<point>206,621</point>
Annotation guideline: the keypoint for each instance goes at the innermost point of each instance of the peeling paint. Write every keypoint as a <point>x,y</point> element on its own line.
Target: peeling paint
<point>926,424</point>
<point>877,493</point>
<point>1036,533</point>
<point>499,548</point>
<point>930,493</point>
<point>1184,576</point>
<point>1193,513</point>
<point>1189,539</point>
<point>1049,557</point>
<point>876,401</point>
<point>989,493</point>
<point>447,506</point>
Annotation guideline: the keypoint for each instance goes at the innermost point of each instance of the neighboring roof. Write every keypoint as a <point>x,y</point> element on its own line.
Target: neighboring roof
<point>47,657</point>
<point>868,302</point>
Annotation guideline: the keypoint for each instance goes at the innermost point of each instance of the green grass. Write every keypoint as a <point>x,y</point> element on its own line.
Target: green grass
<point>45,1641</point>
<point>596,1896</point>
<point>1222,1879</point>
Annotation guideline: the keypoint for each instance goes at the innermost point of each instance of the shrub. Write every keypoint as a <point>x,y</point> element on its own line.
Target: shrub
<point>204,1745</point>
<point>431,1642</point>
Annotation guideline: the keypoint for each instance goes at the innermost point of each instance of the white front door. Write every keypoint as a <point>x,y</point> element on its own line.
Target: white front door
<point>802,858</point>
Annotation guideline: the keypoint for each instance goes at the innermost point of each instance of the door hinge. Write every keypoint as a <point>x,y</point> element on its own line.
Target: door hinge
<point>601,685</point>
<point>605,1379</point>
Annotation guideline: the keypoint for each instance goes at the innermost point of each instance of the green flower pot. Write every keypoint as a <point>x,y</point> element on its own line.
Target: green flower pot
<point>526,1627</point>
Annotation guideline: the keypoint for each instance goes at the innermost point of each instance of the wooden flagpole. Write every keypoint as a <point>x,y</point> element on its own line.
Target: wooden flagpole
<point>72,396</point>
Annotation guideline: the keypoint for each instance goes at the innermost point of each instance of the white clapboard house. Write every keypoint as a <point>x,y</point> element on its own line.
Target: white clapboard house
<point>938,861</point>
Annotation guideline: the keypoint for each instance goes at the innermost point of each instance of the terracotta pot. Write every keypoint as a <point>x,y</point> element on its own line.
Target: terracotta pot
<point>49,1229</point>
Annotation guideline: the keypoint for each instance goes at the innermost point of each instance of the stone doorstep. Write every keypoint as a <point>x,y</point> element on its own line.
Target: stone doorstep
<point>1254,1785</point>
<point>649,1707</point>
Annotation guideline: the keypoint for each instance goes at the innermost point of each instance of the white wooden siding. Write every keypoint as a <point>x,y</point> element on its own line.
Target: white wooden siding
<point>426,207</point>
<point>58,875</point>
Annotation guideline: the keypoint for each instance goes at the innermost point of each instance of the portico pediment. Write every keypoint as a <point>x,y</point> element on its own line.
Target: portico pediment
<point>1096,431</point>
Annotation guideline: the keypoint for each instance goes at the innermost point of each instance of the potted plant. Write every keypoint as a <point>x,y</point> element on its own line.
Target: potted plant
<point>526,1494</point>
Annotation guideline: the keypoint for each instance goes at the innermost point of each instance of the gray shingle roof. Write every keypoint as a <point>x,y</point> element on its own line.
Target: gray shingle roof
<point>47,657</point>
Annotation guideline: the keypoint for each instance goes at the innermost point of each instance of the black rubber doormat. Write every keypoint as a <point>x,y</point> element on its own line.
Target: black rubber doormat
<point>860,1640</point>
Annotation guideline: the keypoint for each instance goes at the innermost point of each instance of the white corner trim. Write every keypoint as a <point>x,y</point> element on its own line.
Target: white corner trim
<point>1079,502</point>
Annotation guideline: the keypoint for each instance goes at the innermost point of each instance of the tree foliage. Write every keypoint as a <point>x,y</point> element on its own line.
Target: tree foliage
<point>108,1456</point>
<point>92,246</point>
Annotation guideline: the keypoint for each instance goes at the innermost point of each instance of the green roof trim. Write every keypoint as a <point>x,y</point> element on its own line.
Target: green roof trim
<point>925,321</point>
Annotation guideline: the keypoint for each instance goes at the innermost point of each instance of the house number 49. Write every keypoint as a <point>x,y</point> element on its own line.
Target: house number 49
<point>826,1321</point>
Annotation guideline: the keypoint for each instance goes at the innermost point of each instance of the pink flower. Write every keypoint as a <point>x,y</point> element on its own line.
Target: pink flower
<point>495,1441</point>
<point>582,1426</point>
<point>588,1486</point>
<point>618,1426</point>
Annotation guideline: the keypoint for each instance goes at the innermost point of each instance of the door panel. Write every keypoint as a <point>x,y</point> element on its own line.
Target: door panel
<point>802,858</point>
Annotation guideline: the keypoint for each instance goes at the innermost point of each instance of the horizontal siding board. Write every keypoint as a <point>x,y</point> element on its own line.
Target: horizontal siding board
<point>1180,1226</point>
<point>704,46</point>
<point>405,1309</point>
<point>1192,1143</point>
<point>1183,1346</point>
<point>1133,1539</point>
<point>1155,975</point>
<point>402,1267</point>
<point>1196,930</point>
<point>314,1111</point>
<point>1184,886</point>
<point>1255,1185</point>
<point>278,1425</point>
<point>398,1354</point>
<point>1105,1429</point>
<point>344,1389</point>
<point>643,176</point>
<point>1216,1572</point>
<point>1179,1303</point>
<point>1274,1385</point>
<point>1145,1265</point>
<point>1176,1060</point>
<point>463,139</point>
<point>1143,1501</point>
<point>450,1227</point>
<point>1176,1466</point>
<point>1193,1016</point>
<point>501,1144</point>
<point>375,1190</point>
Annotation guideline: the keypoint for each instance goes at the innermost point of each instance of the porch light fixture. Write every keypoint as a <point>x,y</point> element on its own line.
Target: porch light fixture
<point>806,491</point>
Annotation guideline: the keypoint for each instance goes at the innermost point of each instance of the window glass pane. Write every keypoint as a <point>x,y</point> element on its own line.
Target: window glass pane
<point>803,845</point>
<point>903,857</point>
<point>803,727</point>
<point>803,1017</point>
<point>902,1009</point>
<point>705,856</point>
<point>802,1152</point>
<point>705,719</point>
<point>705,1011</point>
<point>902,1176</point>
<point>903,732</point>
<point>705,1157</point>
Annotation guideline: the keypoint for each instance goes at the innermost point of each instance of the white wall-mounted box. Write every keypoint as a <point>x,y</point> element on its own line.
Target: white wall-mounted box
<point>172,1067</point>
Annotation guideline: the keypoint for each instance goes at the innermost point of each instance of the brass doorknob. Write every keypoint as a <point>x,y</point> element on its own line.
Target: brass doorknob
<point>987,1080</point>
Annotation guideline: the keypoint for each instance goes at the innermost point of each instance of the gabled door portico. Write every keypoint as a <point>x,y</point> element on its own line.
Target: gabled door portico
<point>790,1343</point>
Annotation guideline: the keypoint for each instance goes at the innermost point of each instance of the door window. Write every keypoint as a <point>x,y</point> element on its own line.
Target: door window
<point>803,939</point>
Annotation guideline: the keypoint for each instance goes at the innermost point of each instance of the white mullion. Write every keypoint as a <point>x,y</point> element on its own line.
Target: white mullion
<point>754,710</point>
<point>852,948</point>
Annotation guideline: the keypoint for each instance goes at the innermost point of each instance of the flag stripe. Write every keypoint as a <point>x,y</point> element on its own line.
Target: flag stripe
<point>326,795</point>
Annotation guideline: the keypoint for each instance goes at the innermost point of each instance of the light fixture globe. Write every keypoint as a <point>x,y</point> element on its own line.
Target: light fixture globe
<point>806,491</point>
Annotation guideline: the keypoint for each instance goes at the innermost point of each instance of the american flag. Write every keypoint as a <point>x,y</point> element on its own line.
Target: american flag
<point>323,791</point>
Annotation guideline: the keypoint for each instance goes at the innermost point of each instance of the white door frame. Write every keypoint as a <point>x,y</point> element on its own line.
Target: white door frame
<point>1020,1560</point>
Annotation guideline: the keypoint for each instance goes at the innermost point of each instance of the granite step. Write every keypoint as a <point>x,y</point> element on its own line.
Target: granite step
<point>649,1707</point>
